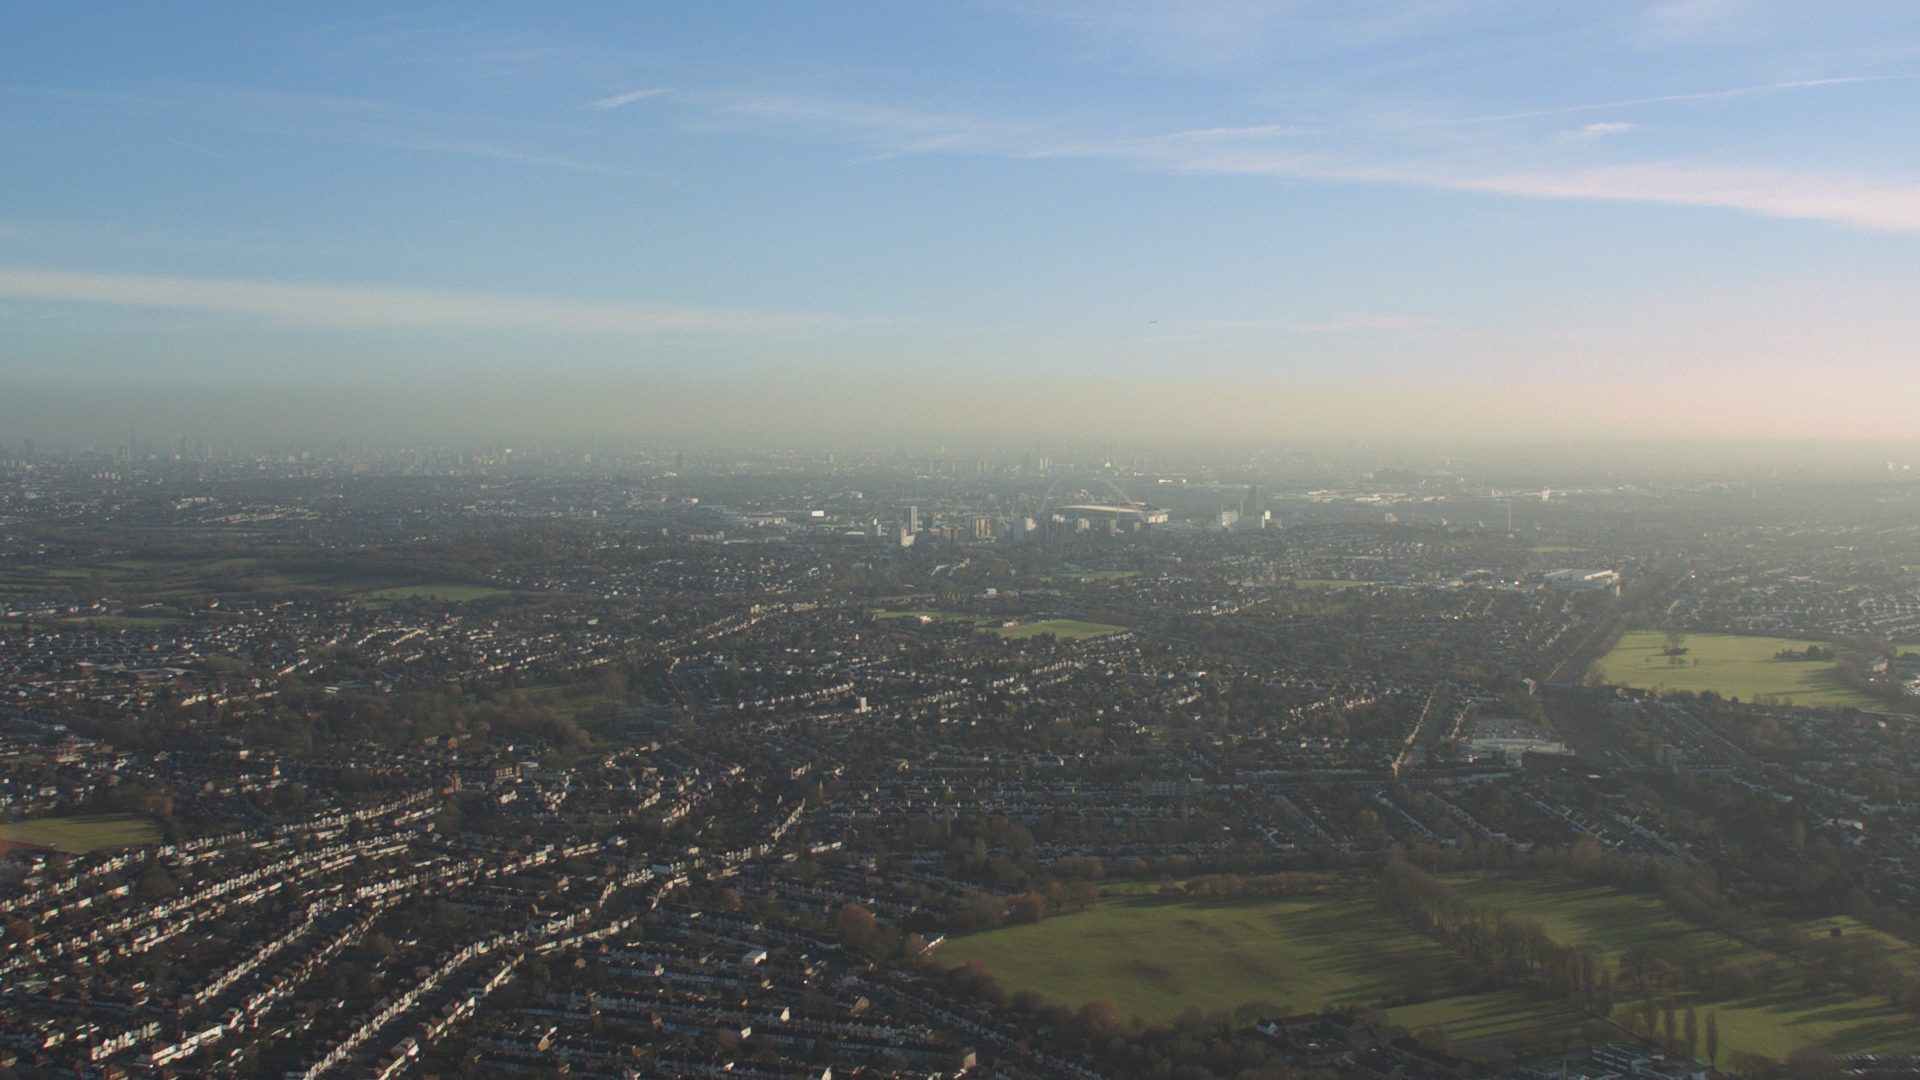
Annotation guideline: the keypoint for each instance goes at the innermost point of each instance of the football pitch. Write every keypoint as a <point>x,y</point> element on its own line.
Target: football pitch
<point>1730,665</point>
<point>79,835</point>
<point>1156,957</point>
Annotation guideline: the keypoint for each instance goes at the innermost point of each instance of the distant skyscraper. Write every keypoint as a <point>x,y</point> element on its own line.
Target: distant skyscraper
<point>1256,504</point>
<point>910,519</point>
<point>679,462</point>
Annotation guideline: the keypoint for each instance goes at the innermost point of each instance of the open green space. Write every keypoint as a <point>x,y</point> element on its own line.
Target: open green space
<point>79,835</point>
<point>1157,956</point>
<point>1089,575</point>
<point>437,591</point>
<point>1727,664</point>
<point>584,705</point>
<point>1064,629</point>
<point>1326,583</point>
<point>1774,1021</point>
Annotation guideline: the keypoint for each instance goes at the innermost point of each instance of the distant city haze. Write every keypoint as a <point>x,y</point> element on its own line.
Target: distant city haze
<point>859,223</point>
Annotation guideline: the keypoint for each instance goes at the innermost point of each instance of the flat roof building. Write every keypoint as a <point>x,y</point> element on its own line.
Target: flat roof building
<point>1122,514</point>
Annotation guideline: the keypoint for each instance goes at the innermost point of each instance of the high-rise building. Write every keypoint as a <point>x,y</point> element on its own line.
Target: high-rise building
<point>910,519</point>
<point>1256,503</point>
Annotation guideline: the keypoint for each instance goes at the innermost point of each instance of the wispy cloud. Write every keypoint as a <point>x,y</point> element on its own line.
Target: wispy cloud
<point>352,307</point>
<point>618,100</point>
<point>1174,330</point>
<point>1600,130</point>
<point>1881,206</point>
<point>1702,95</point>
<point>900,129</point>
<point>1334,153</point>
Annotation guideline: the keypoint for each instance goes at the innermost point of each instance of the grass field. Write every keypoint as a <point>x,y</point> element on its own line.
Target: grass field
<point>1326,583</point>
<point>1156,957</point>
<point>1089,575</point>
<point>440,591</point>
<point>943,616</point>
<point>1774,1023</point>
<point>79,835</point>
<point>1729,665</point>
<point>1064,629</point>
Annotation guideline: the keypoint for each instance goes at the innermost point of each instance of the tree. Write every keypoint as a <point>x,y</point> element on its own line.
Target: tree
<point>1643,966</point>
<point>1101,1018</point>
<point>857,927</point>
<point>1027,908</point>
<point>1083,894</point>
<point>1713,1039</point>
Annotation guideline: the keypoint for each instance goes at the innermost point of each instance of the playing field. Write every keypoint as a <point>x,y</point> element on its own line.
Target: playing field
<point>1774,1022</point>
<point>440,591</point>
<point>1729,665</point>
<point>79,835</point>
<point>1157,957</point>
<point>1064,629</point>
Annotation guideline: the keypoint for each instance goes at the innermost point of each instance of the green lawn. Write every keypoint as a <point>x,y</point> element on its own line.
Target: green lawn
<point>1064,629</point>
<point>1773,1023</point>
<point>1156,957</point>
<point>1089,575</point>
<point>439,591</point>
<point>78,835</point>
<point>1729,665</point>
<point>1326,583</point>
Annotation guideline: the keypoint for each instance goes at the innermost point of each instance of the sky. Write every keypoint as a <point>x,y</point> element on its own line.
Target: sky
<point>1466,221</point>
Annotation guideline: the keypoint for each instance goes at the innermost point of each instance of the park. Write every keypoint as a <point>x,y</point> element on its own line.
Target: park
<point>1156,956</point>
<point>1730,665</point>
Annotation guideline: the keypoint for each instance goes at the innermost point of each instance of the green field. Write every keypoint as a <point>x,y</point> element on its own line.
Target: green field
<point>440,591</point>
<point>79,835</point>
<point>1064,629</point>
<point>1774,1022</point>
<point>1729,665</point>
<point>1089,575</point>
<point>1157,957</point>
<point>1326,583</point>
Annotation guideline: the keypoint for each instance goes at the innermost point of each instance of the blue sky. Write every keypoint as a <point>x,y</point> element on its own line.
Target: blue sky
<point>1463,220</point>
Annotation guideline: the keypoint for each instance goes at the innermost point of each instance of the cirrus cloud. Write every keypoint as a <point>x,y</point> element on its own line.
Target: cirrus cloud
<point>357,307</point>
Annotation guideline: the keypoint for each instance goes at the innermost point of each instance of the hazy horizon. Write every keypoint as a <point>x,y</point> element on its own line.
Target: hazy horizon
<point>1272,222</point>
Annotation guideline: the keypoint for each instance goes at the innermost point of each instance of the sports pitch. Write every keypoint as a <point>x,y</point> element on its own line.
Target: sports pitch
<point>79,835</point>
<point>1064,629</point>
<point>1158,957</point>
<point>1729,665</point>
